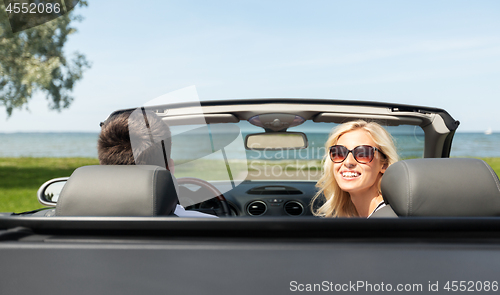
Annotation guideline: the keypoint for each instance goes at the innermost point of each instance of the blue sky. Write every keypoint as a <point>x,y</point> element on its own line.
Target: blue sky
<point>442,54</point>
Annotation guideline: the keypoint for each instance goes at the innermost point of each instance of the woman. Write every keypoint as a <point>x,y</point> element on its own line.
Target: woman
<point>357,155</point>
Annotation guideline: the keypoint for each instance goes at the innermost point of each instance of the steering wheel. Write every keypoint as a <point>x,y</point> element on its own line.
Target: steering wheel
<point>210,187</point>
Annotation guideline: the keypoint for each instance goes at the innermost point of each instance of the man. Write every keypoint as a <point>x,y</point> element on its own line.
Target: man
<point>131,138</point>
<point>138,137</point>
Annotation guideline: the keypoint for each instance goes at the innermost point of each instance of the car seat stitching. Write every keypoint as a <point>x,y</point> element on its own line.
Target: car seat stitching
<point>493,174</point>
<point>408,192</point>
<point>60,202</point>
<point>153,199</point>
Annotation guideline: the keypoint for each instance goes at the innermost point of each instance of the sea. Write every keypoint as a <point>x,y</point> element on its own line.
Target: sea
<point>51,144</point>
<point>80,144</point>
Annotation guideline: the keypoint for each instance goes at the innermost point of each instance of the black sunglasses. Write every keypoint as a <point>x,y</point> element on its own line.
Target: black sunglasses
<point>363,154</point>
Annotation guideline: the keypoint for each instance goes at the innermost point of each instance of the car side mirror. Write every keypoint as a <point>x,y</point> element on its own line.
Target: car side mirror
<point>48,193</point>
<point>276,141</point>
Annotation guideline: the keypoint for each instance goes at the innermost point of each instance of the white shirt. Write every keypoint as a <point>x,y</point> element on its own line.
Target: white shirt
<point>181,212</point>
<point>379,206</point>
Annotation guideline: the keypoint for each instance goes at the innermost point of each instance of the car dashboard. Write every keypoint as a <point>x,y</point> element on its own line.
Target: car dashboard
<point>264,198</point>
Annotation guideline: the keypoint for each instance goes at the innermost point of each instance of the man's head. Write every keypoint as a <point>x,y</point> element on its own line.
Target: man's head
<point>138,137</point>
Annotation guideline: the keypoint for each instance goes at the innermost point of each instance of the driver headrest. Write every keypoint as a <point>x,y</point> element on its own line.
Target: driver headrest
<point>442,187</point>
<point>121,190</point>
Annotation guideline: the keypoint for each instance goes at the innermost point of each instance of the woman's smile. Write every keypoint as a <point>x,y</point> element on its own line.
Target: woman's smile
<point>350,175</point>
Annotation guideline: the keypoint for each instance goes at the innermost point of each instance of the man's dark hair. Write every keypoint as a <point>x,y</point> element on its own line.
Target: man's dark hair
<point>150,135</point>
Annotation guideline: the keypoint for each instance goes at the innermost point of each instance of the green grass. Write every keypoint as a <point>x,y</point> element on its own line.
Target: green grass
<point>20,178</point>
<point>208,169</point>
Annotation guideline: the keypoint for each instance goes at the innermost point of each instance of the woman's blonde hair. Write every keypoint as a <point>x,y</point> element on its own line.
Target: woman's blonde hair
<point>338,202</point>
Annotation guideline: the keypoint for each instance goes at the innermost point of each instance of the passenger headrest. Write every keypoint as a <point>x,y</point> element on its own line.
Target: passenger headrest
<point>442,187</point>
<point>122,190</point>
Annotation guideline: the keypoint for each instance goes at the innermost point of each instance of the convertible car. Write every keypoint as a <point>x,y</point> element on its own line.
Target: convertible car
<point>254,163</point>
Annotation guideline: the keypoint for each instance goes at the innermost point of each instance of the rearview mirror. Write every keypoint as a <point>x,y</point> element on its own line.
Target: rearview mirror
<point>48,193</point>
<point>276,141</point>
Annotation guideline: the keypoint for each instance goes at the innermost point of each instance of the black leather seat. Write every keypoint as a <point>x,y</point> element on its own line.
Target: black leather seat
<point>122,190</point>
<point>442,187</point>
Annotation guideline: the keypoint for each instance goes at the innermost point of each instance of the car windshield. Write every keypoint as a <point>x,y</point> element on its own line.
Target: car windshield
<point>216,153</point>
<point>208,152</point>
<point>219,153</point>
